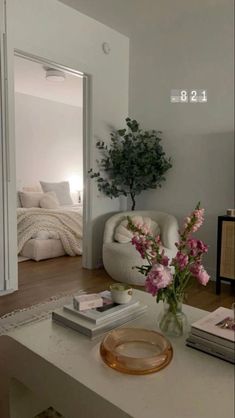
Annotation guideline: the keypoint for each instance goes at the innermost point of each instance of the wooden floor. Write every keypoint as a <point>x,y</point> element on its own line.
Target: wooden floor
<point>38,281</point>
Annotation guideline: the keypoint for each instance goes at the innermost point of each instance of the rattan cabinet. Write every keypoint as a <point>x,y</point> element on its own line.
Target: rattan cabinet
<point>225,269</point>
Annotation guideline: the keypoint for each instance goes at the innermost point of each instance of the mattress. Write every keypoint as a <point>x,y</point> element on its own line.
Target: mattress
<point>41,249</point>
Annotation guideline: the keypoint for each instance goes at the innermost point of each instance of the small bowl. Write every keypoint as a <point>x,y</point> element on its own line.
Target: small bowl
<point>121,292</point>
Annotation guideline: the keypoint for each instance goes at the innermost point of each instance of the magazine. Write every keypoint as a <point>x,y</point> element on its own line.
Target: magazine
<point>108,311</point>
<point>211,347</point>
<point>215,350</point>
<point>90,329</point>
<point>217,326</point>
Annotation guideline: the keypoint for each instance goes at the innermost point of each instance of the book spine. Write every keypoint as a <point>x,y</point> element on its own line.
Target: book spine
<point>212,337</point>
<point>211,352</point>
<point>198,341</point>
<point>115,315</point>
<point>79,314</point>
<point>123,310</point>
<point>58,317</point>
<point>117,323</point>
<point>71,324</point>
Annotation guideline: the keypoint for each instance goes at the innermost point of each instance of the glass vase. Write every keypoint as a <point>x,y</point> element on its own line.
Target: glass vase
<point>172,321</point>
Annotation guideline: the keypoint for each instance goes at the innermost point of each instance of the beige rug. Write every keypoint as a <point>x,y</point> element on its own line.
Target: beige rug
<point>34,313</point>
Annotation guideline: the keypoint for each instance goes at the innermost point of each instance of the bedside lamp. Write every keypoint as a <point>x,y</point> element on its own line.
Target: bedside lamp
<point>76,186</point>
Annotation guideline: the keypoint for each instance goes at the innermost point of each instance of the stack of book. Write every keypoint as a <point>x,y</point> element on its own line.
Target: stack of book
<point>214,334</point>
<point>94,322</point>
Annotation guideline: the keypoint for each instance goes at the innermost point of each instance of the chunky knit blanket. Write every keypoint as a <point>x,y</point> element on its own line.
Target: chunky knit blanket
<point>65,224</point>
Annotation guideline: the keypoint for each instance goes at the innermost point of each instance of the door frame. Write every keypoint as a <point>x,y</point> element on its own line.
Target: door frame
<point>86,134</point>
<point>5,175</point>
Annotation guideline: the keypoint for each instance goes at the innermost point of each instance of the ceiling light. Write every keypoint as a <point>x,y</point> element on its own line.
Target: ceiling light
<point>54,75</point>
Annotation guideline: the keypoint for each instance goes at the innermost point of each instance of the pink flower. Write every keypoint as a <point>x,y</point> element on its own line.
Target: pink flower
<point>194,221</point>
<point>143,228</point>
<point>158,277</point>
<point>187,221</point>
<point>181,260</point>
<point>200,273</point>
<point>197,247</point>
<point>192,243</point>
<point>187,261</point>
<point>140,244</point>
<point>158,240</point>
<point>165,260</point>
<point>199,219</point>
<point>201,246</point>
<point>203,276</point>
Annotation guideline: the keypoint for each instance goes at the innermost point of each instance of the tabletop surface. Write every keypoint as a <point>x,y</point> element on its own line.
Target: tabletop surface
<point>193,385</point>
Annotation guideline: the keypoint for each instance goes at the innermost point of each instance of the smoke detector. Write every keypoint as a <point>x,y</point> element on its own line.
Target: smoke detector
<point>54,75</point>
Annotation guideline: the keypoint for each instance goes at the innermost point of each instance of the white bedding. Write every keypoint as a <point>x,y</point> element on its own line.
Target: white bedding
<point>45,234</point>
<point>42,249</point>
<point>63,225</point>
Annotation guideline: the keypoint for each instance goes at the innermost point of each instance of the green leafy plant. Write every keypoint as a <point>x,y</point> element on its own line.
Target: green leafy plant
<point>134,161</point>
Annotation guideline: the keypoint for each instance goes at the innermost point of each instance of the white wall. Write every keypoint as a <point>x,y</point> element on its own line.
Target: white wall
<point>182,44</point>
<point>56,32</point>
<point>48,140</point>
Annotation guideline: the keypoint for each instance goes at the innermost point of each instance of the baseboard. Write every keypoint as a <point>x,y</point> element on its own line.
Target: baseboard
<point>6,292</point>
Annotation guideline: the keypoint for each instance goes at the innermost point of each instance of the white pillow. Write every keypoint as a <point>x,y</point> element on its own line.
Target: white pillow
<point>123,235</point>
<point>30,199</point>
<point>34,188</point>
<point>61,190</point>
<point>49,201</point>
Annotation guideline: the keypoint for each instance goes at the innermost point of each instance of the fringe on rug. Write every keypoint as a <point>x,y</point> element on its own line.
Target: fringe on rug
<point>34,313</point>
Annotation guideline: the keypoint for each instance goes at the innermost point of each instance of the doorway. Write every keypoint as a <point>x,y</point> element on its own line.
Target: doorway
<point>51,111</point>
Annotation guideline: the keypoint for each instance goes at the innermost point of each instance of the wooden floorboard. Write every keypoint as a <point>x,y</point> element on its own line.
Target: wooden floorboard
<point>38,281</point>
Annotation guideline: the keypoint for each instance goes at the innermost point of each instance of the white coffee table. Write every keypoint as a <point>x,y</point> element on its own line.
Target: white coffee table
<point>63,368</point>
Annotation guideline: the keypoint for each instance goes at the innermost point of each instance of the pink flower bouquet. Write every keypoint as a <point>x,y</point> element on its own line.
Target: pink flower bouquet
<point>167,279</point>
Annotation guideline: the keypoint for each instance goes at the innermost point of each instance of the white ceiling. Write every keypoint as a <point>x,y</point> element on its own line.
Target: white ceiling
<point>30,79</point>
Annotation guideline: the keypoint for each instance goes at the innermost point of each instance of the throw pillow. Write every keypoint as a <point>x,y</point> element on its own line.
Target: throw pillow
<point>61,190</point>
<point>123,235</point>
<point>30,199</point>
<point>49,201</point>
<point>34,188</point>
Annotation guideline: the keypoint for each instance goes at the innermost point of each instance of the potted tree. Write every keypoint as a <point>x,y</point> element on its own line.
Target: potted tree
<point>134,161</point>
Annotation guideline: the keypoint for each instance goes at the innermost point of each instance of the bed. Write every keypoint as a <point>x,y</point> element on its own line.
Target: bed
<point>42,249</point>
<point>46,228</point>
<point>49,233</point>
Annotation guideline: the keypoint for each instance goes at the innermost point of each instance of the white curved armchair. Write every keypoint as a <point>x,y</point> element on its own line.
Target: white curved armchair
<point>119,258</point>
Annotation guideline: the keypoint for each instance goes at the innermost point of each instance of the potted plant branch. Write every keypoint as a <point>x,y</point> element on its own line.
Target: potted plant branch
<point>134,161</point>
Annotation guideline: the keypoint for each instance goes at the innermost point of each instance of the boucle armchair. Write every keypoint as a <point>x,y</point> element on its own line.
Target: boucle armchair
<point>118,259</point>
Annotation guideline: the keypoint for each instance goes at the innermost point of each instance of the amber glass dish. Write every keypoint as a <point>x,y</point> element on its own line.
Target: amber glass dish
<point>136,350</point>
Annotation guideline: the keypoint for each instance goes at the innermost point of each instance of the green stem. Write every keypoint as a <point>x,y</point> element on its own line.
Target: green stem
<point>184,282</point>
<point>166,319</point>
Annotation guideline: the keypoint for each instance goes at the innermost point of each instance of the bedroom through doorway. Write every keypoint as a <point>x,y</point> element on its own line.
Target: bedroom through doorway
<point>49,141</point>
